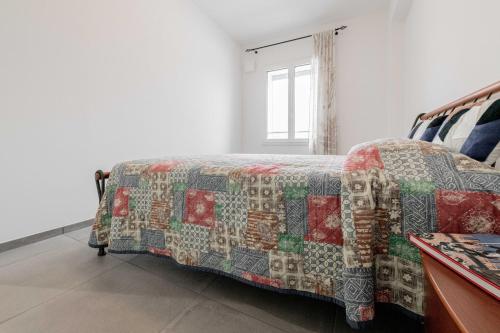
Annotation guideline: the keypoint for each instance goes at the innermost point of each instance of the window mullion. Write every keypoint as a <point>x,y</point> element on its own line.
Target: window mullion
<point>291,103</point>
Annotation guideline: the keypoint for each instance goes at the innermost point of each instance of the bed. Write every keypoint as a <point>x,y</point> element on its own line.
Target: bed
<point>329,227</point>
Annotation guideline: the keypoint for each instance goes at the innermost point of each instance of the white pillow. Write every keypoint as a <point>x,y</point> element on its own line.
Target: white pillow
<point>496,151</point>
<point>437,139</point>
<point>464,126</point>
<point>421,129</point>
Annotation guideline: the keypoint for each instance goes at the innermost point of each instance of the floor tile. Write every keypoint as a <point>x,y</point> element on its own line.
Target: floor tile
<point>123,257</point>
<point>31,250</point>
<point>34,280</point>
<point>167,269</point>
<point>124,299</point>
<point>290,313</point>
<point>61,285</point>
<point>210,316</point>
<point>80,234</point>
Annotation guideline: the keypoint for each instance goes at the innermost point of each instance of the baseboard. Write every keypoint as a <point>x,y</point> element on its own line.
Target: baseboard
<point>44,235</point>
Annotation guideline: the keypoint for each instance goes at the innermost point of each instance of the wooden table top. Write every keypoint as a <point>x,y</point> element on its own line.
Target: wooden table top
<point>472,309</point>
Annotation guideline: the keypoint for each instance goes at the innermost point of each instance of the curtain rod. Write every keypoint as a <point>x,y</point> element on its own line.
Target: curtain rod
<point>291,40</point>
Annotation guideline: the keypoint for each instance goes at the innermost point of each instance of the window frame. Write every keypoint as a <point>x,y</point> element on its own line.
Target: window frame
<point>290,66</point>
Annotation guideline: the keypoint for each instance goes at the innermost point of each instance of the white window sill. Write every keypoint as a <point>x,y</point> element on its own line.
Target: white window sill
<point>285,142</point>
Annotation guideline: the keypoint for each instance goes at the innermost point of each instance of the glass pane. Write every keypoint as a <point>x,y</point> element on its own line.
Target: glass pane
<point>302,98</point>
<point>277,104</point>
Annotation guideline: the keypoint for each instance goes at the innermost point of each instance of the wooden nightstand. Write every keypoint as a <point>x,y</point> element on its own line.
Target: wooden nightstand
<point>456,305</point>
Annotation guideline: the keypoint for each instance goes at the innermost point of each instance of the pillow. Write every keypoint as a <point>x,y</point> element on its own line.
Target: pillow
<point>431,130</point>
<point>483,142</point>
<point>421,129</point>
<point>448,126</point>
<point>414,129</point>
<point>464,126</point>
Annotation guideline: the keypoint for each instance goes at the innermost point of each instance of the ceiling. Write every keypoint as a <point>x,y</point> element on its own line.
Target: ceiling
<point>250,20</point>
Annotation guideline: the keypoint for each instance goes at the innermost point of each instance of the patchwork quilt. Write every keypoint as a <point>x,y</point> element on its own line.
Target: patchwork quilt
<point>332,227</point>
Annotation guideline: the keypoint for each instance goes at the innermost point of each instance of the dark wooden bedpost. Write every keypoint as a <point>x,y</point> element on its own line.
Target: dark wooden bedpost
<point>100,182</point>
<point>101,251</point>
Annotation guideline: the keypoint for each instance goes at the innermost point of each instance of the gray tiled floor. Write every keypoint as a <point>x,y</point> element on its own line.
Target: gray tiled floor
<point>60,285</point>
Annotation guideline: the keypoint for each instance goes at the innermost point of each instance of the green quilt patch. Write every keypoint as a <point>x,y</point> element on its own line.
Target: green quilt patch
<point>180,187</point>
<point>111,188</point>
<point>106,219</point>
<point>175,224</point>
<point>132,203</point>
<point>400,247</point>
<point>226,265</point>
<point>218,211</point>
<point>417,187</point>
<point>295,192</point>
<point>290,243</point>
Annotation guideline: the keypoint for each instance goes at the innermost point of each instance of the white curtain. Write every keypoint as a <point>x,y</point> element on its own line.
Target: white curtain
<point>322,137</point>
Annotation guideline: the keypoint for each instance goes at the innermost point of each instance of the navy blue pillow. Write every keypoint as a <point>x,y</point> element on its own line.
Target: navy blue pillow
<point>485,135</point>
<point>431,130</point>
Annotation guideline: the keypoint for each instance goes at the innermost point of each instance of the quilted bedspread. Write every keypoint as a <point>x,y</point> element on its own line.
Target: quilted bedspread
<point>331,227</point>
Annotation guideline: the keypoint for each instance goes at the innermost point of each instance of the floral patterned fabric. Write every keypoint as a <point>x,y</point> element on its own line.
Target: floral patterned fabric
<point>325,226</point>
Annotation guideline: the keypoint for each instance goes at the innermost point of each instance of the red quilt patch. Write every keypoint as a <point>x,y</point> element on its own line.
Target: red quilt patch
<point>120,203</point>
<point>262,169</point>
<point>366,312</point>
<point>324,219</point>
<point>384,295</point>
<point>263,280</point>
<point>363,159</point>
<point>161,252</point>
<point>200,208</point>
<point>468,212</point>
<point>164,166</point>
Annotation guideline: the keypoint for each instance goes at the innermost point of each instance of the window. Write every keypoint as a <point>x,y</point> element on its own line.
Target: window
<point>288,97</point>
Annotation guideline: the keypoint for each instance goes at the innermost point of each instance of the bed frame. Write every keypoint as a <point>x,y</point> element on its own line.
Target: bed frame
<point>465,102</point>
<point>468,101</point>
<point>100,182</point>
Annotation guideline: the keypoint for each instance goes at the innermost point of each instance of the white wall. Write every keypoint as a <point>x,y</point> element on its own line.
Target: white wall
<point>87,83</point>
<point>361,84</point>
<point>451,48</point>
<point>398,11</point>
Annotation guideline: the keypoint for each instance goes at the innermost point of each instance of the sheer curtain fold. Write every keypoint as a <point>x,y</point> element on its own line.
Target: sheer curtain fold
<point>322,137</point>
